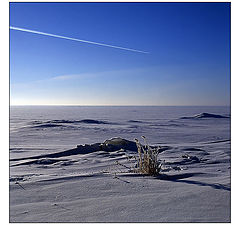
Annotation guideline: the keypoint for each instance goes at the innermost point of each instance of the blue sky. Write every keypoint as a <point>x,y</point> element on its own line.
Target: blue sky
<point>188,61</point>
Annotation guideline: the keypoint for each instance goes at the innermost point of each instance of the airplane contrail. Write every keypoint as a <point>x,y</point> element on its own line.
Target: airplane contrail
<point>75,39</point>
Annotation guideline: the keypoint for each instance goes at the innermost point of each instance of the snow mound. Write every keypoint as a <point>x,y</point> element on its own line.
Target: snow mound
<point>205,115</point>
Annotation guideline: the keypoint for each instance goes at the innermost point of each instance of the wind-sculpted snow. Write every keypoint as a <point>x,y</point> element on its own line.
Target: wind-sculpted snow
<point>110,145</point>
<point>66,124</point>
<point>205,115</point>
<point>115,147</point>
<point>48,125</point>
<point>42,161</point>
<point>99,171</point>
<point>66,168</point>
<point>87,121</point>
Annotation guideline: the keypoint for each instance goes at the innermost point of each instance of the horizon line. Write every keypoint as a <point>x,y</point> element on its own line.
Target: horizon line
<point>120,105</point>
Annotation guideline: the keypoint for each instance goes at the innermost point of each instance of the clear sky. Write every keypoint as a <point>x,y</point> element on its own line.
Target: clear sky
<point>188,61</point>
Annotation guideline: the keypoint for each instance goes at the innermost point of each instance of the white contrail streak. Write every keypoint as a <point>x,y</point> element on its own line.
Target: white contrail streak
<point>75,39</point>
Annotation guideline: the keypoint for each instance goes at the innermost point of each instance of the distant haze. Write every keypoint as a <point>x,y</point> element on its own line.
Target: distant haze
<point>188,60</point>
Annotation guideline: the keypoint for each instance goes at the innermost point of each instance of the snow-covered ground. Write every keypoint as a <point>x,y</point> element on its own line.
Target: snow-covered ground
<point>62,169</point>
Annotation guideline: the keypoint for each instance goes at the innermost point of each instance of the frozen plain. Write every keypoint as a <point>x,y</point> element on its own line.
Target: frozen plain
<point>58,172</point>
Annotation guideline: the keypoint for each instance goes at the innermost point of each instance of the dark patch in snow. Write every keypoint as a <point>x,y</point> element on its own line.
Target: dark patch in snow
<point>48,125</point>
<point>135,121</point>
<point>42,161</point>
<point>89,121</point>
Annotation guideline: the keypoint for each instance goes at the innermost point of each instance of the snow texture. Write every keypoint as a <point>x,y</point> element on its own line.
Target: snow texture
<point>76,164</point>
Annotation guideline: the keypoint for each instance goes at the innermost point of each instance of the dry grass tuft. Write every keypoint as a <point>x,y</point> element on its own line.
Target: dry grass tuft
<point>148,162</point>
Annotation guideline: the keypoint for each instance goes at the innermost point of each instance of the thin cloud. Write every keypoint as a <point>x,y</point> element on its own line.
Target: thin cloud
<point>75,39</point>
<point>66,77</point>
<point>82,76</point>
<point>97,74</point>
